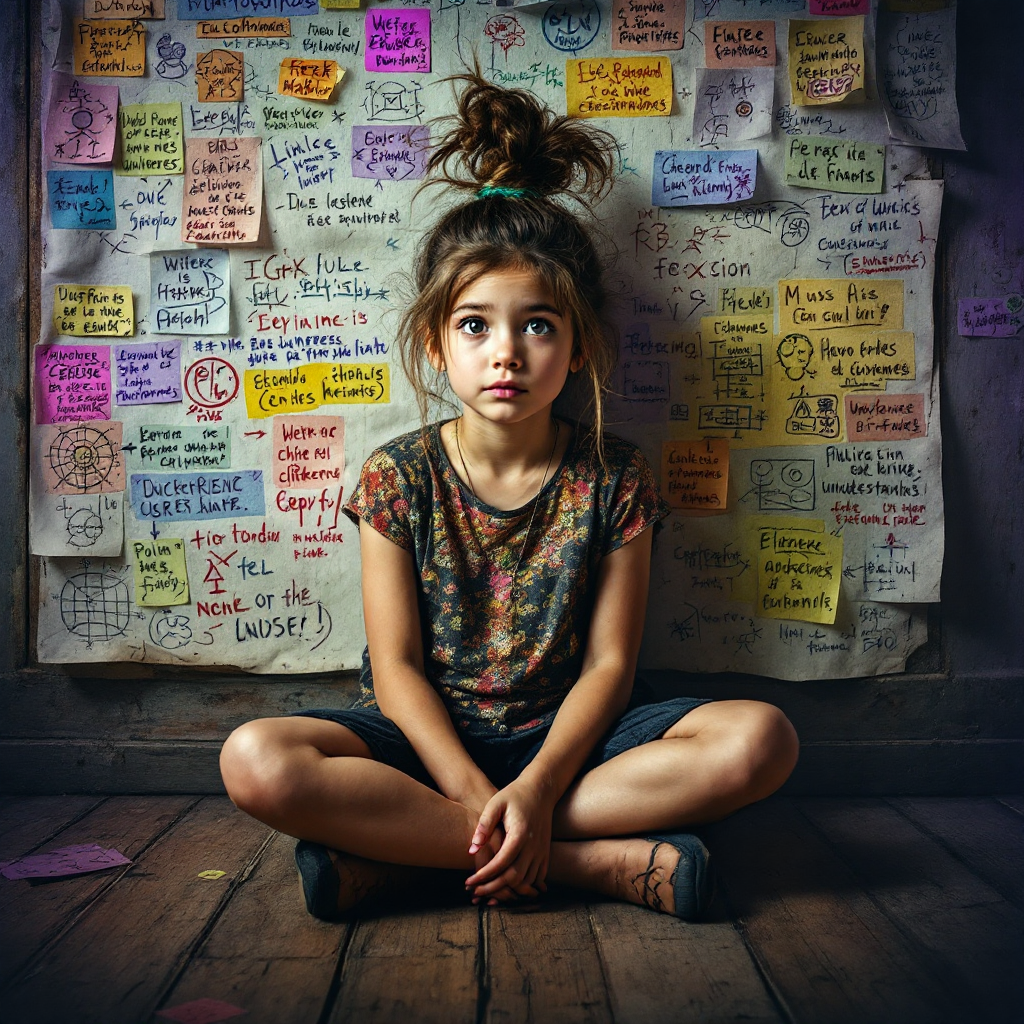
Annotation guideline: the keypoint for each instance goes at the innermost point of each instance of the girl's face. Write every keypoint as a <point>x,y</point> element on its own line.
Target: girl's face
<point>507,347</point>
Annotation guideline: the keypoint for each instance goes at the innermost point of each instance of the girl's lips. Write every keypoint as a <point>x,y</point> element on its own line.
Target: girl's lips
<point>505,389</point>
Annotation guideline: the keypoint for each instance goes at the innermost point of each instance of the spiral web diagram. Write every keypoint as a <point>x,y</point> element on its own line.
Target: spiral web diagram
<point>95,606</point>
<point>82,458</point>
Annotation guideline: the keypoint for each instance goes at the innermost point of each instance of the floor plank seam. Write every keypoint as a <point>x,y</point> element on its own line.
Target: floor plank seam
<point>975,869</point>
<point>67,824</point>
<point>186,956</point>
<point>601,965</point>
<point>331,997</point>
<point>115,876</point>
<point>483,967</point>
<point>1002,801</point>
<point>947,976</point>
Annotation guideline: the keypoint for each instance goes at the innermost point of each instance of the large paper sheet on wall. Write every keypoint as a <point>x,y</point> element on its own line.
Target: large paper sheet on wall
<point>201,411</point>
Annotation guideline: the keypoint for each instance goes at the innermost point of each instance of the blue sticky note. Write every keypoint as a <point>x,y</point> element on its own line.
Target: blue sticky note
<point>200,10</point>
<point>223,495</point>
<point>81,199</point>
<point>691,177</point>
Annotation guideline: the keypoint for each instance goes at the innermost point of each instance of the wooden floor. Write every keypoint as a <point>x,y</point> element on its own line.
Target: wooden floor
<point>867,911</point>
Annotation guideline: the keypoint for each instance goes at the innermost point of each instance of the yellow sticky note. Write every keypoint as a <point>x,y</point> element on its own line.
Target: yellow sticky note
<point>111,47</point>
<point>740,300</point>
<point>239,28</point>
<point>618,87</point>
<point>211,874</point>
<point>798,573</point>
<point>748,539</point>
<point>220,76</point>
<point>302,388</point>
<point>309,79</point>
<point>86,310</point>
<point>812,306</point>
<point>151,139</point>
<point>161,576</point>
<point>123,9</point>
<point>339,4</point>
<point>695,474</point>
<point>826,60</point>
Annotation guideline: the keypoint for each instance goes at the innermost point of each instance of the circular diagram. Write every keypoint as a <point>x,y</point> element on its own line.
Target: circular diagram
<point>211,382</point>
<point>94,606</point>
<point>82,458</point>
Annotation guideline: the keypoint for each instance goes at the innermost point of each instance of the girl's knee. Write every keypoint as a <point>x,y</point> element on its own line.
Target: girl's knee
<point>769,746</point>
<point>253,767</point>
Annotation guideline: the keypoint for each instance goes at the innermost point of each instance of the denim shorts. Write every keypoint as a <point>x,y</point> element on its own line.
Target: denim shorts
<point>503,757</point>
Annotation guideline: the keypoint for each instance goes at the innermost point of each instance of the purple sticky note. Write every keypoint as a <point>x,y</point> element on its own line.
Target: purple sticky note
<point>81,121</point>
<point>840,8</point>
<point>699,178</point>
<point>72,383</point>
<point>390,154</point>
<point>398,40</point>
<point>991,318</point>
<point>201,1011</point>
<point>148,373</point>
<point>69,860</point>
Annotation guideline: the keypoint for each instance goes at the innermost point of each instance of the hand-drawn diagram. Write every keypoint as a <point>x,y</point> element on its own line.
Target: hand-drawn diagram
<point>814,414</point>
<point>95,605</point>
<point>795,351</point>
<point>393,101</point>
<point>504,32</point>
<point>210,383</point>
<point>783,485</point>
<point>172,58</point>
<point>220,76</point>
<point>83,459</point>
<point>88,116</point>
<point>570,27</point>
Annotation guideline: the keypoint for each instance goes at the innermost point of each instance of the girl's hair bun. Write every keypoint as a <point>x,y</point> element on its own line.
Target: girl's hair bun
<point>506,138</point>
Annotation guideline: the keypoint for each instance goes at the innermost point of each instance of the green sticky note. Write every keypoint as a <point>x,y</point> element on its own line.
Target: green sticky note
<point>836,165</point>
<point>151,139</point>
<point>161,576</point>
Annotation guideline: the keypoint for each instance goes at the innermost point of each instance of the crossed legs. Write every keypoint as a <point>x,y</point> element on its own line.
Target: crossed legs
<point>316,780</point>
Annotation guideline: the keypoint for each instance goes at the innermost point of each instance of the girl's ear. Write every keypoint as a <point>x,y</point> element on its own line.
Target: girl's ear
<point>434,354</point>
<point>578,361</point>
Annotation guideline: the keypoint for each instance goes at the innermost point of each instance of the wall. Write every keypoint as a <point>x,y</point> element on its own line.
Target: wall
<point>951,724</point>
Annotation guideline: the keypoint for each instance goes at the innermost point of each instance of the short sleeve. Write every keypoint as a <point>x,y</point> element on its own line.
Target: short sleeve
<point>637,503</point>
<point>381,499</point>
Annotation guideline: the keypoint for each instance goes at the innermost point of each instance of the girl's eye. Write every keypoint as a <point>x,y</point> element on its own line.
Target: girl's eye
<point>472,325</point>
<point>538,327</point>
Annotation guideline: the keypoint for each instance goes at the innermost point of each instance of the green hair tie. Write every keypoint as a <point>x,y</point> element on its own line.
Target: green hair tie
<point>508,193</point>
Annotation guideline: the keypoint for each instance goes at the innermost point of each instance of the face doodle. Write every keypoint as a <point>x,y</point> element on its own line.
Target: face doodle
<point>795,351</point>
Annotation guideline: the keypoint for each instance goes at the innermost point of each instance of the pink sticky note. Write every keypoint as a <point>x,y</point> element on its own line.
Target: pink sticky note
<point>80,458</point>
<point>309,451</point>
<point>398,40</point>
<point>840,8</point>
<point>885,417</point>
<point>739,44</point>
<point>72,383</point>
<point>69,860</point>
<point>81,122</point>
<point>201,1011</point>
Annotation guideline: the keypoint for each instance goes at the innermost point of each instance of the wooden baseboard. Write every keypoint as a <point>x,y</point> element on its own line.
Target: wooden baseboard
<point>839,768</point>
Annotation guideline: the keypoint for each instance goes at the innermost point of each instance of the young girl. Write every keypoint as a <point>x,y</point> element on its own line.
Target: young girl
<point>505,565</point>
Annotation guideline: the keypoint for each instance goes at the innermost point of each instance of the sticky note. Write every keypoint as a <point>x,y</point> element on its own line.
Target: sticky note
<point>732,105</point>
<point>147,373</point>
<point>695,474</point>
<point>990,318</point>
<point>68,860</point>
<point>824,305</point>
<point>641,25</point>
<point>151,139</point>
<point>842,166</point>
<point>741,299</point>
<point>839,8</point>
<point>215,495</point>
<point>309,451</point>
<point>826,61</point>
<point>201,10</point>
<point>222,198</point>
<point>200,1011</point>
<point>396,153</point>
<point>165,447</point>
<point>81,458</point>
<point>72,383</point>
<point>161,575</point>
<point>93,310</point>
<point>113,48</point>
<point>618,87</point>
<point>239,28</point>
<point>308,79</point>
<point>339,4</point>
<point>885,417</point>
<point>737,328</point>
<point>398,40</point>
<point>301,388</point>
<point>739,44</point>
<point>696,178</point>
<point>188,292</point>
<point>798,573</point>
<point>81,122</point>
<point>123,9</point>
<point>81,199</point>
<point>220,76</point>
<point>211,874</point>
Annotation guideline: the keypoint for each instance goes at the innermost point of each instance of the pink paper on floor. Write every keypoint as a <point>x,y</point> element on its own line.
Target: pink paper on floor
<point>69,860</point>
<point>201,1011</point>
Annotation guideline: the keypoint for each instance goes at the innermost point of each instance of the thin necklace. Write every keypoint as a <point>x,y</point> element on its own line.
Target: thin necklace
<point>513,588</point>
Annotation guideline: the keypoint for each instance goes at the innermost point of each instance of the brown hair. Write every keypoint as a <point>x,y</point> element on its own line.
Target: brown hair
<point>506,139</point>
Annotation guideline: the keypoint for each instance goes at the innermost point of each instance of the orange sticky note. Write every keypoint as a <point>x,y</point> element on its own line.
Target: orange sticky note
<point>238,28</point>
<point>112,47</point>
<point>739,44</point>
<point>220,76</point>
<point>309,79</point>
<point>695,474</point>
<point>885,417</point>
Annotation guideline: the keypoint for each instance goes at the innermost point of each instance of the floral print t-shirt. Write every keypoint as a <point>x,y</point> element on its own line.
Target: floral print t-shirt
<point>503,656</point>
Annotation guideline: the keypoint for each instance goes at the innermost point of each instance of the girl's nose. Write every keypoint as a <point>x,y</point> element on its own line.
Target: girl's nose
<point>505,352</point>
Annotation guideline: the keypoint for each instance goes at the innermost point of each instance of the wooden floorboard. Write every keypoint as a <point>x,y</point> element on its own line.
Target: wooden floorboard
<point>880,911</point>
